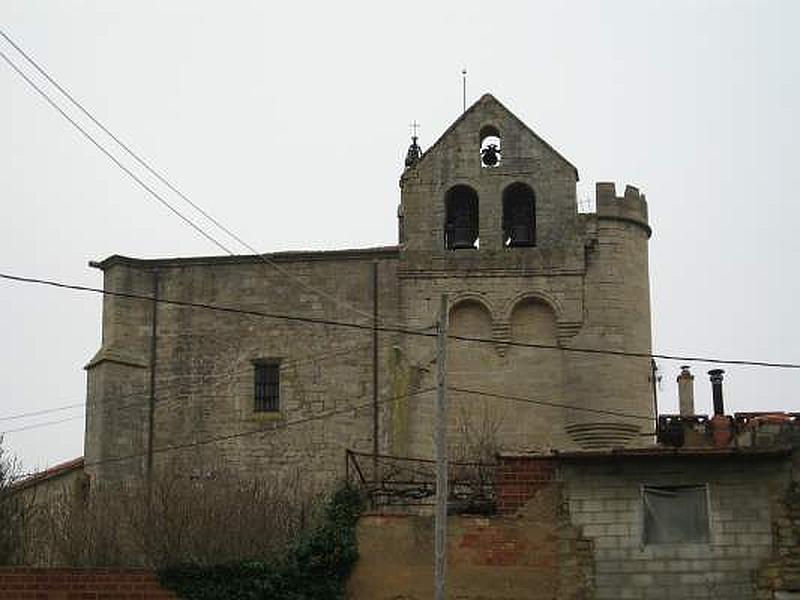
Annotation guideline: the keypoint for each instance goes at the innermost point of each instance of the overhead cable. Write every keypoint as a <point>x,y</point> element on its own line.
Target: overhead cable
<point>45,411</point>
<point>157,174</point>
<point>113,158</point>
<point>403,331</point>
<point>38,425</point>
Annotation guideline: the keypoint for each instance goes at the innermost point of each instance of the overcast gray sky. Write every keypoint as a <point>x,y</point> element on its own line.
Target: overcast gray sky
<point>289,122</point>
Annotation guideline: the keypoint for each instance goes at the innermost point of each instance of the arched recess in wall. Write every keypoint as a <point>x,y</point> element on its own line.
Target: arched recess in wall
<point>537,373</point>
<point>519,215</point>
<point>461,218</point>
<point>468,360</point>
<point>474,366</point>
<point>534,321</point>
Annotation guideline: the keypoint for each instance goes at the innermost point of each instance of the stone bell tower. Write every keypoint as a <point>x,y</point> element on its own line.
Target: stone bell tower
<point>488,214</point>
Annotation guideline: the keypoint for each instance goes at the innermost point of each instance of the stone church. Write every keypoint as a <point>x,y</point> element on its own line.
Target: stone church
<point>488,215</point>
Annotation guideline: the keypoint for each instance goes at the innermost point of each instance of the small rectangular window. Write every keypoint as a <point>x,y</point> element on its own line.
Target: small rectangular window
<point>267,386</point>
<point>675,514</point>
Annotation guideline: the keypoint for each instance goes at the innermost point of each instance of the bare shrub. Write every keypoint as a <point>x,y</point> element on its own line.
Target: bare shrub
<point>80,532</point>
<point>16,511</point>
<point>474,454</point>
<point>180,520</point>
<point>208,521</point>
<point>478,435</point>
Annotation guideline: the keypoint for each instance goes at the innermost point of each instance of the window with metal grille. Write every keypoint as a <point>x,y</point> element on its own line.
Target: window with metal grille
<point>675,514</point>
<point>267,386</point>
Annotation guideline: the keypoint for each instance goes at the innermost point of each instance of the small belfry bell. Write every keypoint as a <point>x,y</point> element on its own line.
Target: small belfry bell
<point>490,155</point>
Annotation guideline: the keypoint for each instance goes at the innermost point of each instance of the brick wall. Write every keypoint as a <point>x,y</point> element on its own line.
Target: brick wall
<point>518,479</point>
<point>529,551</point>
<point>81,584</point>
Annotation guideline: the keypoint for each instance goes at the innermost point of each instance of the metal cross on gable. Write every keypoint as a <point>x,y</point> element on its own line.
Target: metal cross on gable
<point>414,126</point>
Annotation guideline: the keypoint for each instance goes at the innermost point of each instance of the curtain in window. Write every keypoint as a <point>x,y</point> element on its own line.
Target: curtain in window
<point>675,514</point>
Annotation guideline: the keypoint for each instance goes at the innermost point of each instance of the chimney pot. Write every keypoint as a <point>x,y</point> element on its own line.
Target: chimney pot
<point>716,389</point>
<point>686,392</point>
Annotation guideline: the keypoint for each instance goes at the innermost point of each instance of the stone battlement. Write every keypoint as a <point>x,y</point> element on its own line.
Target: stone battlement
<point>631,207</point>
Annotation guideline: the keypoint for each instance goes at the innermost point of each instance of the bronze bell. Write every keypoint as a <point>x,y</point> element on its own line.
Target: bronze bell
<point>490,155</point>
<point>520,235</point>
<point>463,237</point>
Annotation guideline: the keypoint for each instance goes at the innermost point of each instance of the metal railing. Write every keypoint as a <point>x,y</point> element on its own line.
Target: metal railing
<point>395,481</point>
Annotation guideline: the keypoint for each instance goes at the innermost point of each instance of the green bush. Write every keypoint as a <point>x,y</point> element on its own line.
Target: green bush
<point>316,567</point>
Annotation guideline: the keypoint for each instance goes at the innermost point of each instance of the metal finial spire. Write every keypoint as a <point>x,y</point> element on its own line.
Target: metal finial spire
<point>464,89</point>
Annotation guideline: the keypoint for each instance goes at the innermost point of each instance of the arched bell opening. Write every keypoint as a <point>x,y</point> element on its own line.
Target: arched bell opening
<point>519,216</point>
<point>461,218</point>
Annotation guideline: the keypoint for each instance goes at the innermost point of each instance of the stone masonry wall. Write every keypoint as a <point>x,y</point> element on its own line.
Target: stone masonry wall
<point>60,492</point>
<point>589,272</point>
<point>779,578</point>
<point>205,419</point>
<point>585,284</point>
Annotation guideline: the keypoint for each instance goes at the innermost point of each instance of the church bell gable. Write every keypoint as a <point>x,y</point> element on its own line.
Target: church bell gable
<point>488,185</point>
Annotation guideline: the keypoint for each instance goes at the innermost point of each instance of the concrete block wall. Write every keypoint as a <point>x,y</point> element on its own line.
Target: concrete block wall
<point>605,501</point>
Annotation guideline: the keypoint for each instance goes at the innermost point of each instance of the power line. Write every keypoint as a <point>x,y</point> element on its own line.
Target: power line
<point>272,427</point>
<point>45,411</point>
<point>113,158</point>
<point>158,175</point>
<point>122,144</point>
<point>400,330</point>
<point>328,414</point>
<point>38,425</point>
<point>230,233</point>
<point>119,403</point>
<point>241,311</point>
<point>451,388</point>
<point>613,413</point>
<point>682,358</point>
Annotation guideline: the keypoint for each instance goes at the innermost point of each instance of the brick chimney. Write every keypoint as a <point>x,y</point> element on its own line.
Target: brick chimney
<point>686,392</point>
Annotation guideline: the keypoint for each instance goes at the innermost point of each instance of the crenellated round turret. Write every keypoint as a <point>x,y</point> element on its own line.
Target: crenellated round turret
<point>616,318</point>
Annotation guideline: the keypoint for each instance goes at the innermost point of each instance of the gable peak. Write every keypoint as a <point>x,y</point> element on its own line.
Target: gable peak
<point>488,102</point>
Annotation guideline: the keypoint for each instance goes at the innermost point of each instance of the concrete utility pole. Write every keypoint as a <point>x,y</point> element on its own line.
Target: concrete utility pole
<point>441,451</point>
